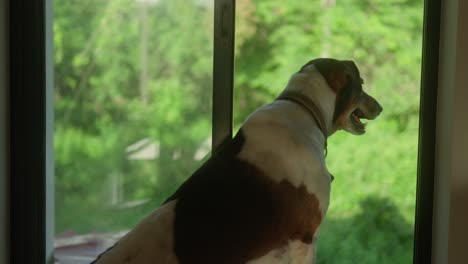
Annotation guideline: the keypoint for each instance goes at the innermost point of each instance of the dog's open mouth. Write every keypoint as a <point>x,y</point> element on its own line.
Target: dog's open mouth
<point>356,117</point>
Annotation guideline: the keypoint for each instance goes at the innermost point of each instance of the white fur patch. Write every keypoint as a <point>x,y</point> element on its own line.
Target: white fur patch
<point>151,241</point>
<point>296,252</point>
<point>276,256</point>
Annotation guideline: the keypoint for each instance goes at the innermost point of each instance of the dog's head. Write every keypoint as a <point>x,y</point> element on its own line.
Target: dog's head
<point>352,103</point>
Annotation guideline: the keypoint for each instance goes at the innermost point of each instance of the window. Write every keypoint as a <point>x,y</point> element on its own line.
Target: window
<point>132,113</point>
<point>30,105</point>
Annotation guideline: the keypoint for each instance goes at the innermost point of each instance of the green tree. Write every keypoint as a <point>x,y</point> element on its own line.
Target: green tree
<point>100,106</point>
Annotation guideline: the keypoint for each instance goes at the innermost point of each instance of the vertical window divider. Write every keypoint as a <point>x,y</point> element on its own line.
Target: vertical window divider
<point>223,72</point>
<point>31,126</point>
<point>427,129</point>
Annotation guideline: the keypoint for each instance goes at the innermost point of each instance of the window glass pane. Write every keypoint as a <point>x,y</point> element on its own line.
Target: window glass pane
<point>371,213</point>
<point>133,85</point>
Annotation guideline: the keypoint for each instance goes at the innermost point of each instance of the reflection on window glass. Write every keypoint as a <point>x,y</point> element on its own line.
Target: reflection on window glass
<point>371,214</point>
<point>133,85</point>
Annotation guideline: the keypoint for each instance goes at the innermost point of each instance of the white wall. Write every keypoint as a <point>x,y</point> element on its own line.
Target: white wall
<point>458,235</point>
<point>4,237</point>
<point>450,241</point>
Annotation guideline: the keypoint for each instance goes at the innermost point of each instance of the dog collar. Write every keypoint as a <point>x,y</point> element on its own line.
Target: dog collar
<point>310,106</point>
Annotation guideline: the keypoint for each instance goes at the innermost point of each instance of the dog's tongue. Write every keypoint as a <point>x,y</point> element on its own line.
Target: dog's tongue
<point>356,116</point>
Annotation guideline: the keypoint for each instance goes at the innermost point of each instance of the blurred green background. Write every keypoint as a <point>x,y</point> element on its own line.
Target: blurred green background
<point>133,84</point>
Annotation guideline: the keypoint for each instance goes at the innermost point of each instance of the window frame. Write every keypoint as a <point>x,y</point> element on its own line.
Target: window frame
<point>31,131</point>
<point>422,251</point>
<point>223,72</point>
<point>31,122</point>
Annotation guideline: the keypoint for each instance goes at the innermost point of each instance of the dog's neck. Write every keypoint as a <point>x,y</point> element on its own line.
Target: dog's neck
<point>314,89</point>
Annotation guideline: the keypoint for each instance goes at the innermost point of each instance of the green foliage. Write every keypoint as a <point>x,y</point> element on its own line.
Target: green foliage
<point>371,215</point>
<point>107,99</point>
<point>102,108</point>
<point>377,233</point>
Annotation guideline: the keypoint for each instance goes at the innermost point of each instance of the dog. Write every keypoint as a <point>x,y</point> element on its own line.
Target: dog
<point>262,197</point>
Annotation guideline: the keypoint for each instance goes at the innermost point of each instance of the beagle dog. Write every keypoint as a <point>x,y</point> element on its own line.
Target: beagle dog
<point>262,197</point>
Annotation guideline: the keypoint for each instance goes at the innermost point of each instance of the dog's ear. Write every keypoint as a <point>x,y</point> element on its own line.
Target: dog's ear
<point>351,68</point>
<point>337,73</point>
<point>337,79</point>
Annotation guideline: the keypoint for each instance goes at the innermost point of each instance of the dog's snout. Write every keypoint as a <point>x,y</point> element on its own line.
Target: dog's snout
<point>379,107</point>
<point>373,107</point>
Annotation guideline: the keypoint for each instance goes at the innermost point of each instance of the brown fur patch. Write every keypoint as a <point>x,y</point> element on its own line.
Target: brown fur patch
<point>337,80</point>
<point>231,212</point>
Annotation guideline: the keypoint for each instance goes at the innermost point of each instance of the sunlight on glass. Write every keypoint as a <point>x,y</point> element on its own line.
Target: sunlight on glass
<point>371,214</point>
<point>133,85</point>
